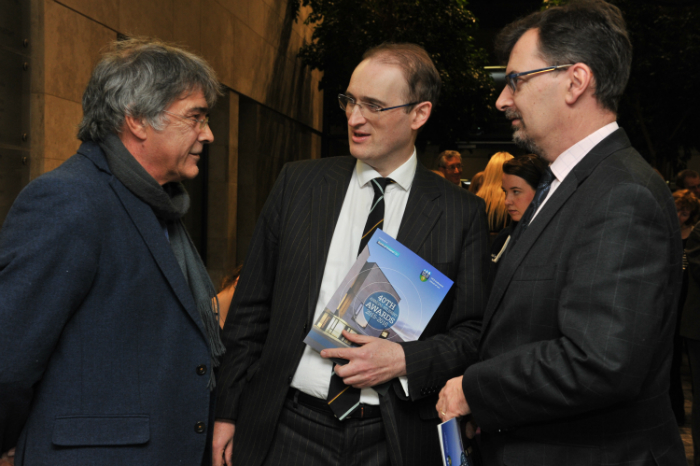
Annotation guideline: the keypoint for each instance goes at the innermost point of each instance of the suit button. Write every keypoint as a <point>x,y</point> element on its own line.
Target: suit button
<point>305,327</point>
<point>200,428</point>
<point>289,379</point>
<point>201,370</point>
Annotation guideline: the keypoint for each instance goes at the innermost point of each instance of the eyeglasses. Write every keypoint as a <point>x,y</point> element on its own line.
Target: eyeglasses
<point>348,104</point>
<point>512,78</point>
<point>202,123</point>
<point>453,168</point>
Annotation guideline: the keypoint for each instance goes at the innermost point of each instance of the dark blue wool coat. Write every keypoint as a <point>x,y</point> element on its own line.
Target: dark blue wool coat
<point>96,317</point>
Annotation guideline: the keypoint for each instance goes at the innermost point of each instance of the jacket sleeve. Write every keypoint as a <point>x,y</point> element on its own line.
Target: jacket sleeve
<point>49,253</point>
<point>432,361</point>
<point>246,327</point>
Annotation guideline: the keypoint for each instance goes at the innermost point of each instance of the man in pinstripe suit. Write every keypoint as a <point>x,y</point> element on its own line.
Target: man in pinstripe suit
<point>272,405</point>
<point>577,336</point>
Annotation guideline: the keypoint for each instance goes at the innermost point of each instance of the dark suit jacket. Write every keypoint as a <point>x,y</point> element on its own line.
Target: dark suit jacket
<point>577,334</point>
<point>95,314</point>
<point>275,300</point>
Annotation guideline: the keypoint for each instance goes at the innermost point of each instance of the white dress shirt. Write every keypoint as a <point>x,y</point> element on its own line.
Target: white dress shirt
<point>313,374</point>
<point>568,159</point>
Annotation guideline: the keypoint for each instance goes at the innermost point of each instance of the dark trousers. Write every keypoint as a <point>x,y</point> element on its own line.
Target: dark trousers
<point>309,437</point>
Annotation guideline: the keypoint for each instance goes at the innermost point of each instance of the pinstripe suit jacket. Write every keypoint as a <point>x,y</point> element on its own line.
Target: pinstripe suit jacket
<point>577,335</point>
<point>274,304</point>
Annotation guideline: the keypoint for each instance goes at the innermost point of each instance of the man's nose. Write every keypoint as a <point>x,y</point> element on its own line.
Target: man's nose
<point>205,135</point>
<point>505,100</point>
<point>356,117</point>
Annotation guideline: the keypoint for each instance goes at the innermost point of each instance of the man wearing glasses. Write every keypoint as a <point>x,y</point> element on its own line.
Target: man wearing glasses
<point>279,402</point>
<point>450,164</point>
<point>108,331</point>
<point>577,336</point>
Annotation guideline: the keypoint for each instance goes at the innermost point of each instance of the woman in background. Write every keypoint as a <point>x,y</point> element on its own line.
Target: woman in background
<point>492,194</point>
<point>519,181</point>
<point>476,183</point>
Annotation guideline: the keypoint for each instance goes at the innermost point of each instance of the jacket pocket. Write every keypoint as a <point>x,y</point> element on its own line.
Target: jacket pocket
<point>73,431</point>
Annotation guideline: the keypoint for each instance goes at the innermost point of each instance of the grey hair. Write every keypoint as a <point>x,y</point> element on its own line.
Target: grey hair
<point>141,77</point>
<point>447,154</point>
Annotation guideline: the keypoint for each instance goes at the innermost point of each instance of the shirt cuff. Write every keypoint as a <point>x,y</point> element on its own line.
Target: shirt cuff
<point>404,383</point>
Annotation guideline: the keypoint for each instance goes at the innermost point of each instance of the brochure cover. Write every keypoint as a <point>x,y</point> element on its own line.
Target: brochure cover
<point>451,444</point>
<point>388,293</point>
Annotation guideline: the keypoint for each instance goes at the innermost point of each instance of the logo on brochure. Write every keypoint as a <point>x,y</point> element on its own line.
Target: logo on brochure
<point>381,310</point>
<point>425,275</point>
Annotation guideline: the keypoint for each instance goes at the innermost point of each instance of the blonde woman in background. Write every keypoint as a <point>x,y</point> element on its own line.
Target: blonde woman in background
<point>476,182</point>
<point>492,193</point>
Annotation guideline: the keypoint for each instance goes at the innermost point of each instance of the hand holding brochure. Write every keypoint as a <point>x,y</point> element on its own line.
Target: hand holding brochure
<point>389,293</point>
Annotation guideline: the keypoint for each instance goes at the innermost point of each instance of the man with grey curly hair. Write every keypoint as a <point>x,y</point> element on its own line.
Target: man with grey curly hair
<point>108,319</point>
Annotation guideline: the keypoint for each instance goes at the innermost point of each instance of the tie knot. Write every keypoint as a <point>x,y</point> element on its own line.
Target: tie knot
<point>547,178</point>
<point>380,184</point>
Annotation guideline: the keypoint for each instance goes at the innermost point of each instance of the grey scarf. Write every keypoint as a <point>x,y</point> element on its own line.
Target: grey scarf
<point>170,202</point>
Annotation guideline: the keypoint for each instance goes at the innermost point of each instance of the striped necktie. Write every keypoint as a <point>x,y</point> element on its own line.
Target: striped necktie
<point>376,213</point>
<point>344,399</point>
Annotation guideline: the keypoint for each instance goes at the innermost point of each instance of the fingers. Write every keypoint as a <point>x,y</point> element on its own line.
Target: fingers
<point>338,353</point>
<point>347,353</point>
<point>357,338</point>
<point>228,453</point>
<point>222,443</point>
<point>451,402</point>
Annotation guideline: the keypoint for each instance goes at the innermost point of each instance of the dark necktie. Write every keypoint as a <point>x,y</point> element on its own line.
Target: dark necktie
<point>344,399</point>
<point>540,195</point>
<point>376,213</point>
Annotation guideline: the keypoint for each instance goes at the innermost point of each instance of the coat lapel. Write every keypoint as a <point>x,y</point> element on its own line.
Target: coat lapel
<point>616,141</point>
<point>422,212</point>
<point>151,231</point>
<point>154,236</point>
<point>326,201</point>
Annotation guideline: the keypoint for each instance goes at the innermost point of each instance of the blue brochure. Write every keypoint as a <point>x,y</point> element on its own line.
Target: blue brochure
<point>388,293</point>
<point>453,453</point>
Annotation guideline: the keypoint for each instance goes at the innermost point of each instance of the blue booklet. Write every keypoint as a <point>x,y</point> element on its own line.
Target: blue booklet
<point>453,453</point>
<point>390,292</point>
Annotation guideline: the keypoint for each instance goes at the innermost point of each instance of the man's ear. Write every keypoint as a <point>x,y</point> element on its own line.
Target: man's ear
<point>136,126</point>
<point>421,113</point>
<point>580,80</point>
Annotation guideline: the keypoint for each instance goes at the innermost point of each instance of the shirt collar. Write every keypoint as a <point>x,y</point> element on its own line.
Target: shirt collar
<point>403,176</point>
<point>566,162</point>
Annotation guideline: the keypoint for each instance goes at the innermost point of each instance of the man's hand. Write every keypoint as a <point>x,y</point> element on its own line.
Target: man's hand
<point>375,362</point>
<point>452,402</point>
<point>8,458</point>
<point>222,445</point>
